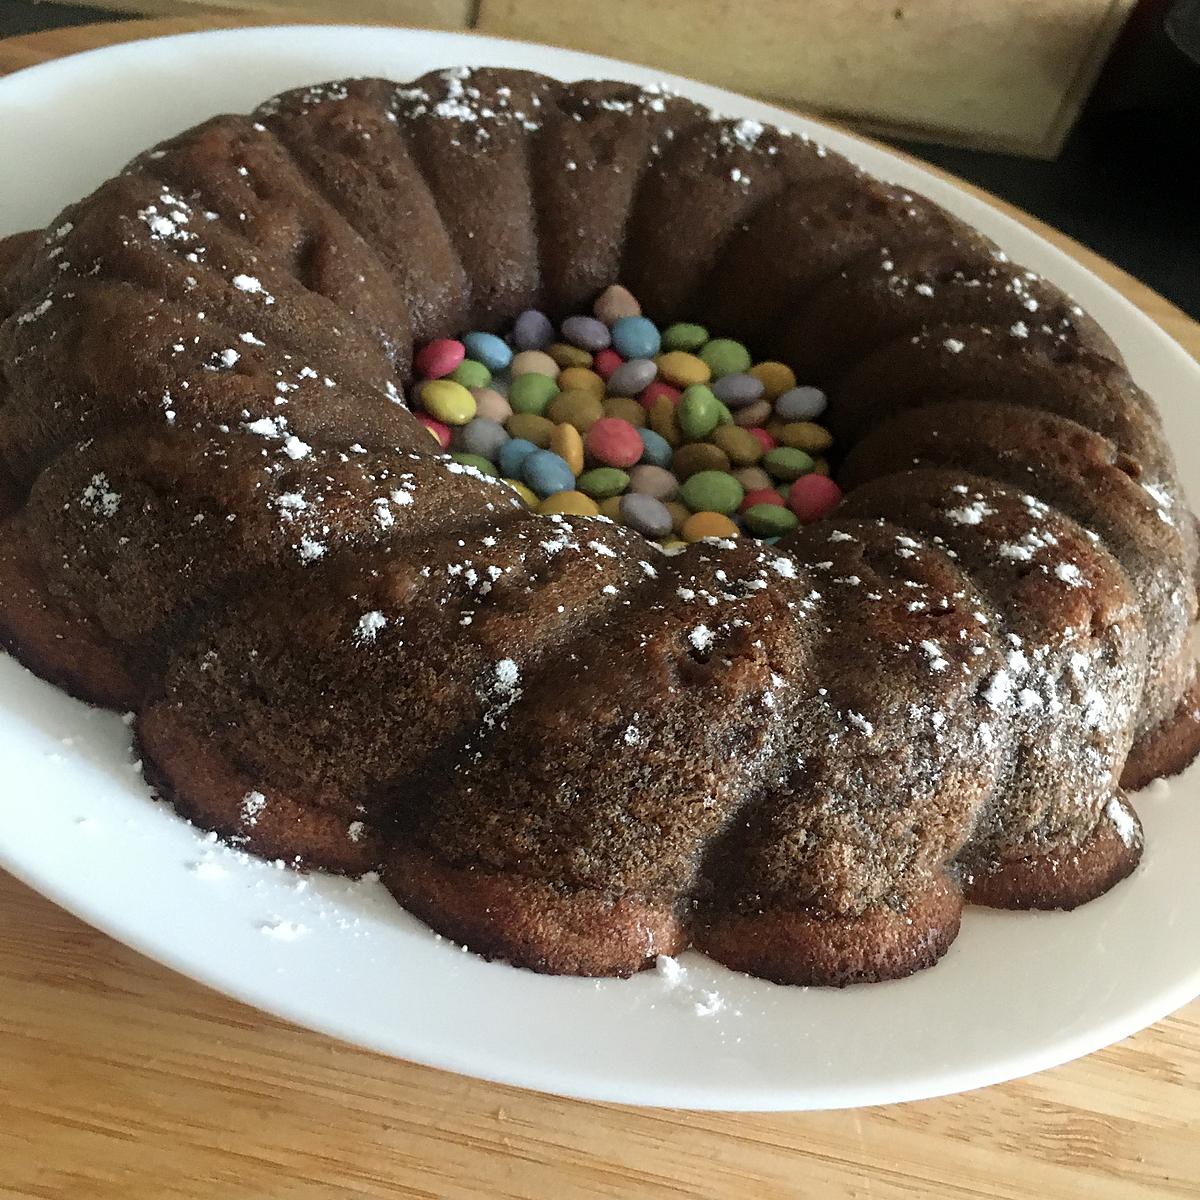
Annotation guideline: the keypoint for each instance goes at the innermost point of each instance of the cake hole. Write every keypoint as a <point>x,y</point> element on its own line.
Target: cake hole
<point>674,431</point>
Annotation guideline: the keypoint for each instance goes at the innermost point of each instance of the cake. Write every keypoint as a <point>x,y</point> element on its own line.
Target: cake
<point>557,745</point>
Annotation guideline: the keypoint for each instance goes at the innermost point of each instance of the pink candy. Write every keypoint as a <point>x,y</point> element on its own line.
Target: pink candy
<point>658,388</point>
<point>439,357</point>
<point>605,362</point>
<point>812,497</point>
<point>614,442</point>
<point>761,496</point>
<point>767,442</point>
<point>439,431</point>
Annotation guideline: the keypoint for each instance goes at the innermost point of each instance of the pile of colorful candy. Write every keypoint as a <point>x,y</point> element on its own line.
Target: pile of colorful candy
<point>673,433</point>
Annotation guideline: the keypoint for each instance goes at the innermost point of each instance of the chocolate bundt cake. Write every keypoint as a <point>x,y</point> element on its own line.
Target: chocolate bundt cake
<point>557,744</point>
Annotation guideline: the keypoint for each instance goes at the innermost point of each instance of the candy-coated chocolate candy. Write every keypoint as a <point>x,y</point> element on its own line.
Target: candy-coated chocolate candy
<point>614,303</point>
<point>448,402</point>
<point>487,348</point>
<point>614,442</point>
<point>439,357</point>
<point>703,525</point>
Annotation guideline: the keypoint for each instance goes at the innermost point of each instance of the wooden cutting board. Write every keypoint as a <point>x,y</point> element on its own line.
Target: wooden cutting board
<point>120,1080</point>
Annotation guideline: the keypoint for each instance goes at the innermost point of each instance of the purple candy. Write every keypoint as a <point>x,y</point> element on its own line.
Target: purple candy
<point>647,515</point>
<point>588,333</point>
<point>532,330</point>
<point>801,404</point>
<point>737,390</point>
<point>480,436</point>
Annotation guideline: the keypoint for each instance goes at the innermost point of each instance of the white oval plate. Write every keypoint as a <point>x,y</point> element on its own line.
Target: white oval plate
<point>1017,993</point>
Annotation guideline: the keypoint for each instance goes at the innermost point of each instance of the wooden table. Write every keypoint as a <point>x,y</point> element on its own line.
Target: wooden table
<point>120,1079</point>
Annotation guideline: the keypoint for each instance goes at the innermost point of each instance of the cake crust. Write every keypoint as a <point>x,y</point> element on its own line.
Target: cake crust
<point>821,950</point>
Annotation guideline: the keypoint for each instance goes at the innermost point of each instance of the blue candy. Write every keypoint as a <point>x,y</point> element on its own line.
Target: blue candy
<point>511,456</point>
<point>547,473</point>
<point>657,450</point>
<point>636,337</point>
<point>488,349</point>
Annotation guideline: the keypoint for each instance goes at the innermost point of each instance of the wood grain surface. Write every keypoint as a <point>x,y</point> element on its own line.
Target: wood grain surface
<point>120,1080</point>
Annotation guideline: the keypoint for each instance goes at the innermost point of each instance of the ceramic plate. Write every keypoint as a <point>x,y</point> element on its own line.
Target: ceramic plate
<point>1017,993</point>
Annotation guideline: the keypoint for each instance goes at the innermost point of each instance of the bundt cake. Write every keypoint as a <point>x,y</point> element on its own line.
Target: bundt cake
<point>558,745</point>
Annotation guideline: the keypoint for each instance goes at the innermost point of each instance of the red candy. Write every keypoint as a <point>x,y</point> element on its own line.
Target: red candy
<point>614,442</point>
<point>652,392</point>
<point>813,496</point>
<point>439,357</point>
<point>439,431</point>
<point>605,362</point>
<point>762,496</point>
<point>767,442</point>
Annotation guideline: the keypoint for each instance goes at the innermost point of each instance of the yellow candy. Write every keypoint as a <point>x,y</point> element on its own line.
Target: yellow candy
<point>821,467</point>
<point>776,378</point>
<point>525,493</point>
<point>664,422</point>
<point>805,435</point>
<point>672,543</point>
<point>580,379</point>
<point>611,508</point>
<point>574,504</point>
<point>533,362</point>
<point>569,356</point>
<point>682,369</point>
<point>708,525</point>
<point>680,513</point>
<point>567,442</point>
<point>448,401</point>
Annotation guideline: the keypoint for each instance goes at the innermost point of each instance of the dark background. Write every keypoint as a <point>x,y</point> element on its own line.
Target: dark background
<point>1125,183</point>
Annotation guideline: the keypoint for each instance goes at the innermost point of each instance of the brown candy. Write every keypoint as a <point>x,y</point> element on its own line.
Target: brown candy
<point>743,448</point>
<point>698,456</point>
<point>581,409</point>
<point>626,409</point>
<point>531,427</point>
<point>753,414</point>
<point>616,302</point>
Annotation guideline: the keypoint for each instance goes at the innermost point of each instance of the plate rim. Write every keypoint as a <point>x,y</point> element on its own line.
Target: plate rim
<point>668,1095</point>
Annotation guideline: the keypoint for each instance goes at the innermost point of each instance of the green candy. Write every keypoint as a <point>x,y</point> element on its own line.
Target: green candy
<point>712,491</point>
<point>785,463</point>
<point>769,520</point>
<point>724,416</point>
<point>682,336</point>
<point>726,357</point>
<point>471,374</point>
<point>699,412</point>
<point>602,483</point>
<point>532,393</point>
<point>481,464</point>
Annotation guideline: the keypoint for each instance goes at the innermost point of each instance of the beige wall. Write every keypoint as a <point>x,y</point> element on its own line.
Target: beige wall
<point>1001,74</point>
